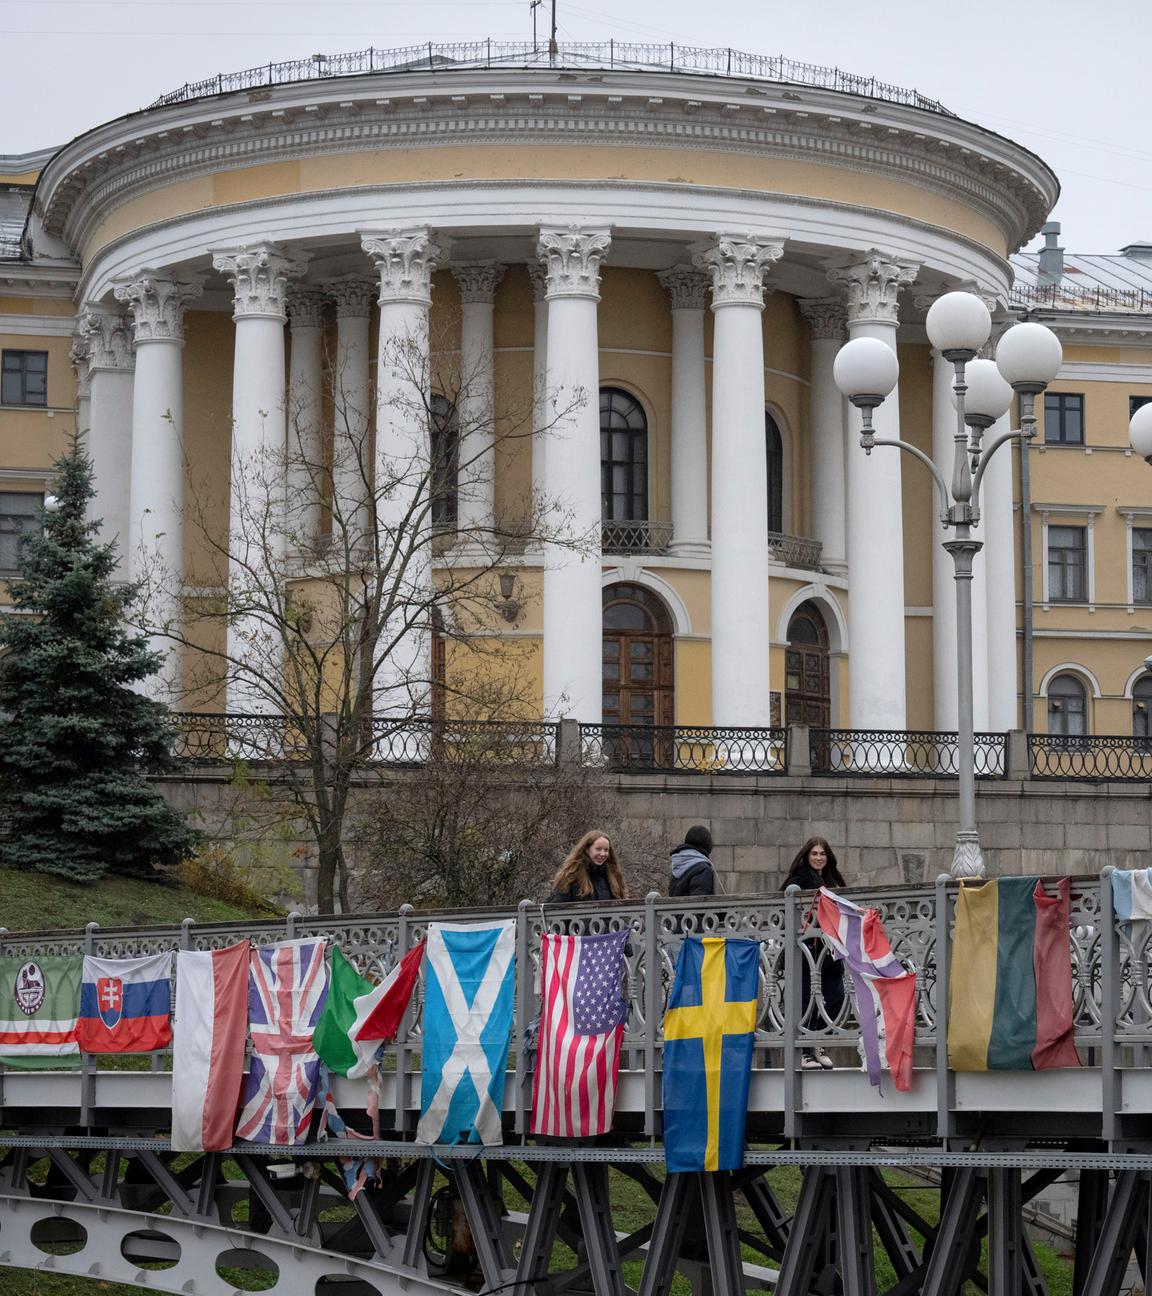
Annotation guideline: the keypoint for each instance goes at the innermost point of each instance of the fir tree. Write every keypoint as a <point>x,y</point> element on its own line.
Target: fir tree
<point>76,738</point>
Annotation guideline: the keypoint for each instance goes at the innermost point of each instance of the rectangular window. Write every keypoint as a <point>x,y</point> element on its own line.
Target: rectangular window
<point>1142,564</point>
<point>1137,402</point>
<point>19,515</point>
<point>1067,564</point>
<point>24,378</point>
<point>1063,418</point>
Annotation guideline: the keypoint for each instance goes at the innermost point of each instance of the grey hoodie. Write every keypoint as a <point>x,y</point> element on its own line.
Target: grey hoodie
<point>691,873</point>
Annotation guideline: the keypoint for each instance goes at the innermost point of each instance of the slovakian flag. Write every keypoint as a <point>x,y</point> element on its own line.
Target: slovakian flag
<point>211,1030</point>
<point>39,1004</point>
<point>360,1016</point>
<point>885,989</point>
<point>581,1029</point>
<point>125,1004</point>
<point>1010,990</point>
<point>287,986</point>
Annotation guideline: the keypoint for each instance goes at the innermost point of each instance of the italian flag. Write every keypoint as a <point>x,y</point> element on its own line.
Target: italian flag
<point>359,1016</point>
<point>1010,988</point>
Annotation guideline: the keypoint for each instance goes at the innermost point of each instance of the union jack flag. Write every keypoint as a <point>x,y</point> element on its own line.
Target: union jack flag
<point>581,1029</point>
<point>287,987</point>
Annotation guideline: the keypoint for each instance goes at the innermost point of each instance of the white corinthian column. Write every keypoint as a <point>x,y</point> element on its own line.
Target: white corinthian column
<point>688,290</point>
<point>111,360</point>
<point>156,493</point>
<point>257,538</point>
<point>828,500</point>
<point>876,662</point>
<point>305,466</point>
<point>741,631</point>
<point>352,402</point>
<point>573,669</point>
<point>402,671</point>
<point>475,409</point>
<point>539,383</point>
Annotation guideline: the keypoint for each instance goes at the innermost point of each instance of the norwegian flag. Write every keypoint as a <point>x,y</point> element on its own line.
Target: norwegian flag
<point>287,987</point>
<point>581,1030</point>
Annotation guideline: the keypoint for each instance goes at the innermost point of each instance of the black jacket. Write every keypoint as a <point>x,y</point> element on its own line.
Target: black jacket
<point>601,890</point>
<point>807,879</point>
<point>692,873</point>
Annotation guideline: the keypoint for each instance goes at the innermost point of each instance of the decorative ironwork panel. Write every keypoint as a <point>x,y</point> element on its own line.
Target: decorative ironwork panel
<point>795,551</point>
<point>898,753</point>
<point>1118,759</point>
<point>636,537</point>
<point>684,749</point>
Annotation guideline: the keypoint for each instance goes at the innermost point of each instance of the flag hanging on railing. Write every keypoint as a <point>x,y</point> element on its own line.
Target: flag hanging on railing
<point>1010,1002</point>
<point>125,1004</point>
<point>1132,895</point>
<point>39,1005</point>
<point>581,1029</point>
<point>885,989</point>
<point>210,1029</point>
<point>360,1016</point>
<point>709,1034</point>
<point>286,991</point>
<point>468,998</point>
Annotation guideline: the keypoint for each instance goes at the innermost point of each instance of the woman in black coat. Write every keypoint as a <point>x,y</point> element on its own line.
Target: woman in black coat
<point>815,866</point>
<point>590,872</point>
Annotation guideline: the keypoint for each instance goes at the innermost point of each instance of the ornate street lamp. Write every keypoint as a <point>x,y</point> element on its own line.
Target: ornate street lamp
<point>1028,357</point>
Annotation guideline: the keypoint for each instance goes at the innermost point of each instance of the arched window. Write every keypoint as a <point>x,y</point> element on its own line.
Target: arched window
<point>1067,707</point>
<point>1142,707</point>
<point>775,456</point>
<point>445,447</point>
<point>623,457</point>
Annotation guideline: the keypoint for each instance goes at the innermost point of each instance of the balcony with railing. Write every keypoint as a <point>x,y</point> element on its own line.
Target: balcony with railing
<point>641,537</point>
<point>795,551</point>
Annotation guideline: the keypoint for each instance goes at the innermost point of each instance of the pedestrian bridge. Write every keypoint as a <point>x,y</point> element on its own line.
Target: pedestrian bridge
<point>89,1185</point>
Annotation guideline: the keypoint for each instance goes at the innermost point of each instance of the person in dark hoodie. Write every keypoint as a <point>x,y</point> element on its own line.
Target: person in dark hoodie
<point>692,871</point>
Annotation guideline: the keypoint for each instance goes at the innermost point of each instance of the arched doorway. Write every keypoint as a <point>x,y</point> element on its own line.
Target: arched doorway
<point>637,669</point>
<point>807,685</point>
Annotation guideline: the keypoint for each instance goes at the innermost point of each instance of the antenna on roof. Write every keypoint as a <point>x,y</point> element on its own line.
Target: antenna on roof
<point>534,6</point>
<point>553,48</point>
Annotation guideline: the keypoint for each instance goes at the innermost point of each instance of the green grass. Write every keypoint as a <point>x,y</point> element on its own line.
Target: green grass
<point>39,902</point>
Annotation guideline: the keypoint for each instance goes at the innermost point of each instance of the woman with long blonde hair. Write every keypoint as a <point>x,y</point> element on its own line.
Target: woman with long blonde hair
<point>589,872</point>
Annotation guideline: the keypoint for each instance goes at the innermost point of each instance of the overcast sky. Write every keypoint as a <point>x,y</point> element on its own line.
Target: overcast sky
<point>1067,79</point>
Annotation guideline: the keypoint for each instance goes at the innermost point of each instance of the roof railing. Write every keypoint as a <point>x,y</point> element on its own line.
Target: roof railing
<point>1066,296</point>
<point>610,54</point>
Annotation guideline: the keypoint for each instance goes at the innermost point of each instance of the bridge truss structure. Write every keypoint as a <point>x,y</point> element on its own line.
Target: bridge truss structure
<point>89,1184</point>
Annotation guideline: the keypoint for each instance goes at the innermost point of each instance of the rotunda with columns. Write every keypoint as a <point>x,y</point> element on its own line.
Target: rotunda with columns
<point>687,246</point>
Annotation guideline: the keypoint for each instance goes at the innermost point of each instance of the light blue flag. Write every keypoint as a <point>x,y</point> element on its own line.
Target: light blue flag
<point>468,996</point>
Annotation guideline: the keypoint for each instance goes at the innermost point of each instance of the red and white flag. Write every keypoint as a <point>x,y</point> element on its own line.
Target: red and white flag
<point>380,1011</point>
<point>581,1030</point>
<point>210,1030</point>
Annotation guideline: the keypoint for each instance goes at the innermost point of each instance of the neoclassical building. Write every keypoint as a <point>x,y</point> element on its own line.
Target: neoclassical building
<point>687,245</point>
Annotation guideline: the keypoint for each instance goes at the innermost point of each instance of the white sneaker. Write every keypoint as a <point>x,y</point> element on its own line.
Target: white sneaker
<point>823,1060</point>
<point>809,1062</point>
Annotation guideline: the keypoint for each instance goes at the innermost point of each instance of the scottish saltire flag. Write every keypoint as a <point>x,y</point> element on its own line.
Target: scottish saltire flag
<point>125,1004</point>
<point>1010,991</point>
<point>287,986</point>
<point>210,1030</point>
<point>1132,895</point>
<point>581,1028</point>
<point>709,1031</point>
<point>468,997</point>
<point>39,1004</point>
<point>885,990</point>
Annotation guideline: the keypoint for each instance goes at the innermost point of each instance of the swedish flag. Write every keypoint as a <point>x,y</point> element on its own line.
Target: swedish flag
<point>709,1029</point>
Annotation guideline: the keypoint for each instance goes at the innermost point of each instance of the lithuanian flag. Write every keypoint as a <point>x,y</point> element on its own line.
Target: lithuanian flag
<point>1010,989</point>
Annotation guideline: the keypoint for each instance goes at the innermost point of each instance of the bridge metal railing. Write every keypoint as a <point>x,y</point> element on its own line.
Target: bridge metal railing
<point>1110,964</point>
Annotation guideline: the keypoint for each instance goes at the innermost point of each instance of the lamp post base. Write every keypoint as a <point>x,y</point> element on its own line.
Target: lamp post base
<point>967,861</point>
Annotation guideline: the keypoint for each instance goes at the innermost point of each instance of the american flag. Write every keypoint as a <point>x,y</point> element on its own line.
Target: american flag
<point>581,1029</point>
<point>287,987</point>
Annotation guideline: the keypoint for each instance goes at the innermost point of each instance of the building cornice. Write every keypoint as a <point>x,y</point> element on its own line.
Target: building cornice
<point>997,179</point>
<point>1095,328</point>
<point>38,279</point>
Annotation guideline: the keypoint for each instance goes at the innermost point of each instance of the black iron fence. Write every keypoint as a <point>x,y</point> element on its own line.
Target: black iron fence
<point>896,753</point>
<point>676,749</point>
<point>1115,758</point>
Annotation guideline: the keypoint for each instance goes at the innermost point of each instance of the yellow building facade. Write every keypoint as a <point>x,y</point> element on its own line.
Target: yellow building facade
<point>681,250</point>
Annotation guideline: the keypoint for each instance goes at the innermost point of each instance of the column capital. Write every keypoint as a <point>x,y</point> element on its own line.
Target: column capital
<point>157,303</point>
<point>109,338</point>
<point>686,286</point>
<point>539,281</point>
<point>827,318</point>
<point>477,281</point>
<point>306,305</point>
<point>872,284</point>
<point>354,296</point>
<point>925,299</point>
<point>571,256</point>
<point>738,264</point>
<point>80,358</point>
<point>259,275</point>
<point>405,260</point>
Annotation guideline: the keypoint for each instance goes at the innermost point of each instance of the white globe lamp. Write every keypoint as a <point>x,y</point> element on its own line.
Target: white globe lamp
<point>1029,356</point>
<point>958,325</point>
